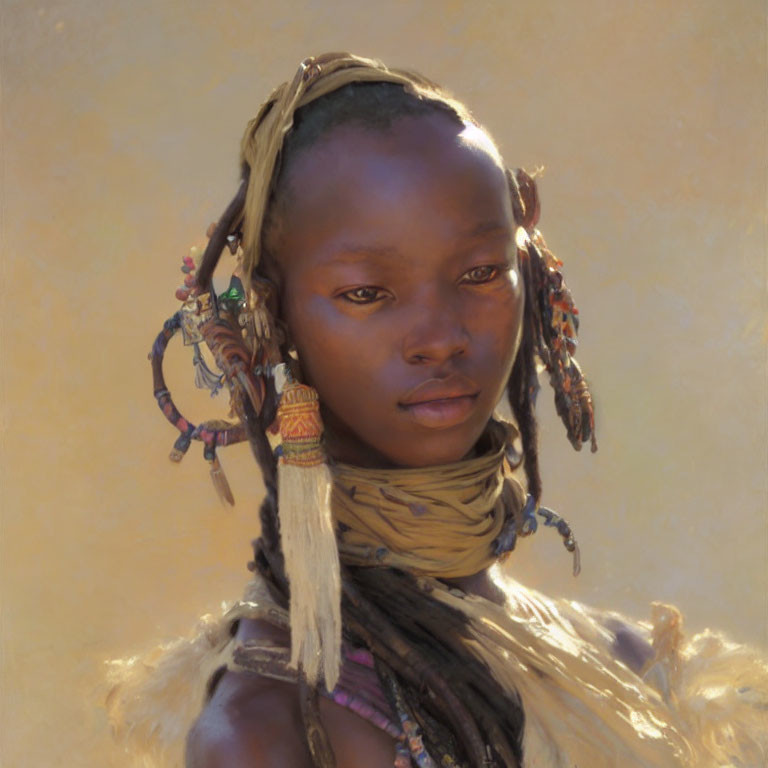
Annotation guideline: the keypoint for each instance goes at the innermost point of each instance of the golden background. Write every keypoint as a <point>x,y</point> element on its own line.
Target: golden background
<point>120,130</point>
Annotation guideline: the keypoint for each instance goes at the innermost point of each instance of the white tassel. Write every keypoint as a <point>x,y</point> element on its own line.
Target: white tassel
<point>308,538</point>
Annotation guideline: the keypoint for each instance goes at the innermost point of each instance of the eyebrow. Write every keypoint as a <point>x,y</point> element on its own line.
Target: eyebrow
<point>491,227</point>
<point>349,253</point>
<point>352,253</point>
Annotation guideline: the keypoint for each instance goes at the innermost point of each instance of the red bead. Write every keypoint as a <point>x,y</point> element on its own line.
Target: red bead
<point>182,294</point>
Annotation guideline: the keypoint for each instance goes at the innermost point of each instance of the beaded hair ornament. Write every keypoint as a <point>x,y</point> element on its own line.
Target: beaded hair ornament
<point>247,345</point>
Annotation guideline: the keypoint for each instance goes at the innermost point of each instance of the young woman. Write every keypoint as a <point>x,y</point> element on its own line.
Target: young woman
<point>392,288</point>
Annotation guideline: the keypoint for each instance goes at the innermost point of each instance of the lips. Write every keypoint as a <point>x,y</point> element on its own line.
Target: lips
<point>441,403</point>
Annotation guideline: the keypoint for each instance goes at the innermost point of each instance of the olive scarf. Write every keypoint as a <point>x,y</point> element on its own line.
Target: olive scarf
<point>438,521</point>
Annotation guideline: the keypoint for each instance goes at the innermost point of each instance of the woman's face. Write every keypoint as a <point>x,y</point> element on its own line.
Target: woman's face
<point>400,287</point>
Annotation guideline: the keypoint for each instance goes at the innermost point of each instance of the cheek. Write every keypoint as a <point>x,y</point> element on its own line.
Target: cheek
<point>515,327</point>
<point>335,353</point>
<point>497,329</point>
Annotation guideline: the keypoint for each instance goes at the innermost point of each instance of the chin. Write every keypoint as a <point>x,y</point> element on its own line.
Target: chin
<point>438,447</point>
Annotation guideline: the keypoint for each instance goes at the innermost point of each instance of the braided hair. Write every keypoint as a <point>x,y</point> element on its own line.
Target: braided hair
<point>417,643</point>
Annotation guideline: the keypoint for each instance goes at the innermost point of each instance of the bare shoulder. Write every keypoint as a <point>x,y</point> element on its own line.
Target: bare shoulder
<point>249,722</point>
<point>255,722</point>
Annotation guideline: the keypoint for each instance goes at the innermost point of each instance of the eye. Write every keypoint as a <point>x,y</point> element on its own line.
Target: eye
<point>482,274</point>
<point>365,294</point>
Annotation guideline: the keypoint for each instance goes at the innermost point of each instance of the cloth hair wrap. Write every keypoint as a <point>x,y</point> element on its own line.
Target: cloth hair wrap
<point>264,135</point>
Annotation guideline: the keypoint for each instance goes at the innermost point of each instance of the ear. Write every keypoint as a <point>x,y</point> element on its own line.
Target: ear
<point>266,288</point>
<point>528,198</point>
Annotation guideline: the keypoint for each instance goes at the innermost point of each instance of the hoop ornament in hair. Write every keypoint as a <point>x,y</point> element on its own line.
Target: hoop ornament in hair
<point>213,433</point>
<point>220,323</point>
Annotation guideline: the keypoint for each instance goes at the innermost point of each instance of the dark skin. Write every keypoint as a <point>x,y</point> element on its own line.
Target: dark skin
<point>400,290</point>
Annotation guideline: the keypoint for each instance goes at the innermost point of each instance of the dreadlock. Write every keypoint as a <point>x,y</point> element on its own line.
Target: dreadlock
<point>417,643</point>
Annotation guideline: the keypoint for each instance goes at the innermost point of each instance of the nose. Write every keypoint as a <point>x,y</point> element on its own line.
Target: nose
<point>438,331</point>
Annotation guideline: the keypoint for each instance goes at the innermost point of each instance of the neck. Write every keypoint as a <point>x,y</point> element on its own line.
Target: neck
<point>343,445</point>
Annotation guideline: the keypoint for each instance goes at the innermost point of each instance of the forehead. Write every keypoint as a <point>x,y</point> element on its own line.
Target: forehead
<point>425,177</point>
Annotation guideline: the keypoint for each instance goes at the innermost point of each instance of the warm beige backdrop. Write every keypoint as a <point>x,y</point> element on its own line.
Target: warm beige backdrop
<point>121,123</point>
